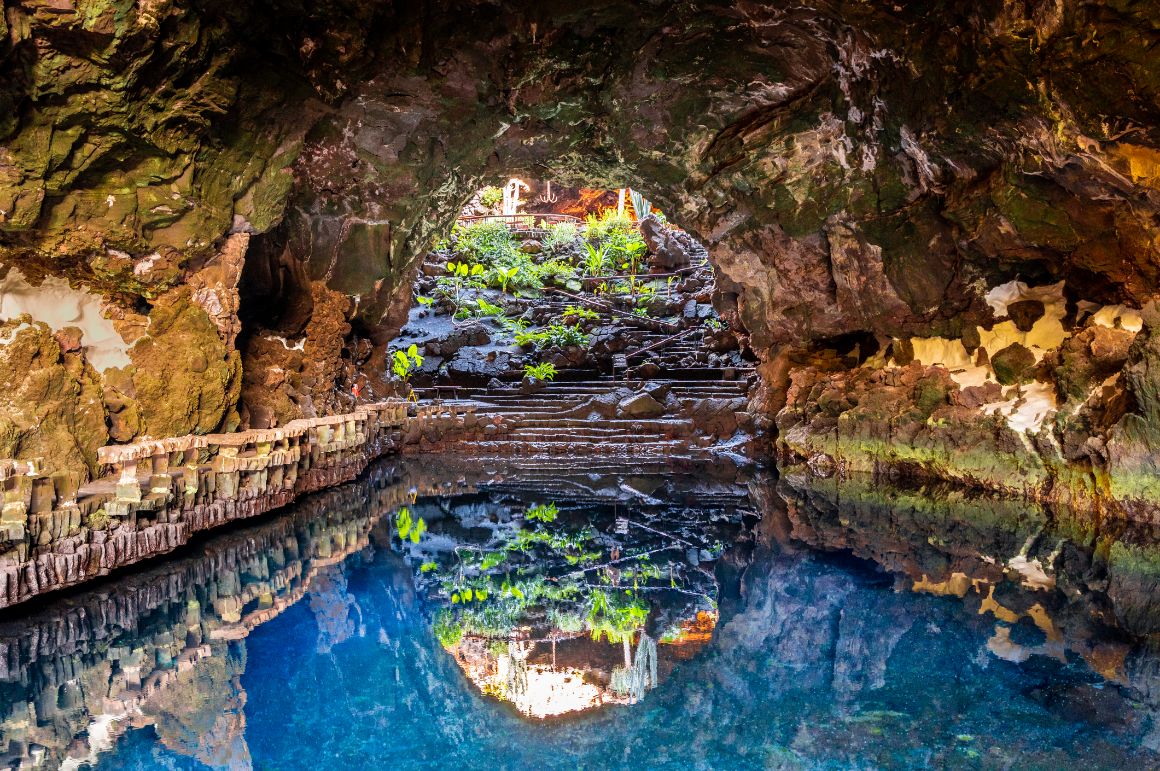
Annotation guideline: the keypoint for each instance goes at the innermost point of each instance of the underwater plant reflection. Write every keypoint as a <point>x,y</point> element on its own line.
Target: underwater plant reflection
<point>560,606</point>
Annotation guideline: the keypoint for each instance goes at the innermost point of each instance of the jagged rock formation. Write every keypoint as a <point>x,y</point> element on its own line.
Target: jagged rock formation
<point>862,174</point>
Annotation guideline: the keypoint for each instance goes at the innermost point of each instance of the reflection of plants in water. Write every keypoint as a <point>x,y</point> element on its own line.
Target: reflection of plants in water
<point>408,527</point>
<point>448,629</point>
<point>543,575</point>
<point>566,621</point>
<point>542,513</point>
<point>615,616</point>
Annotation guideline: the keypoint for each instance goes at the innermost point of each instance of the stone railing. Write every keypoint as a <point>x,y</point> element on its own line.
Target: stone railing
<point>56,532</point>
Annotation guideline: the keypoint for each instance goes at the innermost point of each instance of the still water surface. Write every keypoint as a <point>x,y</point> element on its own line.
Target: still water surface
<point>623,617</point>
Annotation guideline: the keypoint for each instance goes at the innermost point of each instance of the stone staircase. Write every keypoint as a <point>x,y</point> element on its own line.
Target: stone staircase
<point>584,417</point>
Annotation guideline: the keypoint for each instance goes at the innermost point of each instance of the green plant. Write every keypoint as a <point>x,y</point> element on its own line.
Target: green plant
<point>485,242</point>
<point>515,326</point>
<point>641,205</point>
<point>502,276</point>
<point>448,629</point>
<point>595,259</point>
<point>601,227</point>
<point>565,621</point>
<point>488,309</point>
<point>714,324</point>
<point>491,196</point>
<point>614,616</point>
<point>556,334</point>
<point>542,513</point>
<point>404,363</point>
<point>491,559</point>
<point>623,245</point>
<point>409,527</point>
<point>463,270</point>
<point>424,301</point>
<point>561,235</point>
<point>545,371</point>
<point>460,271</point>
<point>559,273</point>
<point>573,313</point>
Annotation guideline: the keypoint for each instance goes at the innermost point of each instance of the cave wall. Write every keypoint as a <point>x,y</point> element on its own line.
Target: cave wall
<point>857,170</point>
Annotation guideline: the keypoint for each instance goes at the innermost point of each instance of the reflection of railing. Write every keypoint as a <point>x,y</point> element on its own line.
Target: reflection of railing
<point>522,221</point>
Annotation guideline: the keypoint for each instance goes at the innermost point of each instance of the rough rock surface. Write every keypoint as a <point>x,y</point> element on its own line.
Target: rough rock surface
<point>859,172</point>
<point>50,399</point>
<point>671,249</point>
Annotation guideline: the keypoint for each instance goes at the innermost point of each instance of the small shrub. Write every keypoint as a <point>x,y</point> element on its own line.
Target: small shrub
<point>487,243</point>
<point>555,335</point>
<point>404,363</point>
<point>595,260</point>
<point>542,513</point>
<point>448,629</point>
<point>573,313</point>
<point>559,273</point>
<point>491,197</point>
<point>560,236</point>
<point>545,371</point>
<point>621,243</point>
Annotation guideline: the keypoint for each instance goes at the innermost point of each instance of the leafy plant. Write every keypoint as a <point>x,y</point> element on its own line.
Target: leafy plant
<point>561,235</point>
<point>542,513</point>
<point>408,527</point>
<point>515,326</point>
<point>574,313</point>
<point>622,244</point>
<point>488,309</point>
<point>448,629</point>
<point>595,259</point>
<point>486,242</point>
<point>424,301</point>
<point>545,371</point>
<point>559,273</point>
<point>555,335</point>
<point>405,362</point>
<point>491,559</point>
<point>460,271</point>
<point>614,616</point>
<point>502,276</point>
<point>463,270</point>
<point>641,205</point>
<point>491,196</point>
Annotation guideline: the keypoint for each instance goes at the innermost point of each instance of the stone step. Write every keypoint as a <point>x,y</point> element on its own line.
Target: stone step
<point>628,424</point>
<point>667,447</point>
<point>536,435</point>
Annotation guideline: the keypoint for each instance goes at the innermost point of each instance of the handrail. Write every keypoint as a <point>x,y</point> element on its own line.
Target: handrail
<point>523,220</point>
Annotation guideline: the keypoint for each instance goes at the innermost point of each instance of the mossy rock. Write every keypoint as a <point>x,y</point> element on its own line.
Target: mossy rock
<point>1013,364</point>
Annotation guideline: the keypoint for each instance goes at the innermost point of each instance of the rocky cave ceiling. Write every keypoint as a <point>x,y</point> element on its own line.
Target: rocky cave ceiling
<point>853,167</point>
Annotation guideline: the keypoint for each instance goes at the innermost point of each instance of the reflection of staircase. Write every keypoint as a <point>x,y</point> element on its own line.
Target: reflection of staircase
<point>579,418</point>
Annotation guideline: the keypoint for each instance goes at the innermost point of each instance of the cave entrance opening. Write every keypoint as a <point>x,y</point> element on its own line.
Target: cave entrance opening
<point>557,306</point>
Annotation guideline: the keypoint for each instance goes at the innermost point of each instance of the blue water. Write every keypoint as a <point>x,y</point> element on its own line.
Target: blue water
<point>792,681</point>
<point>818,661</point>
